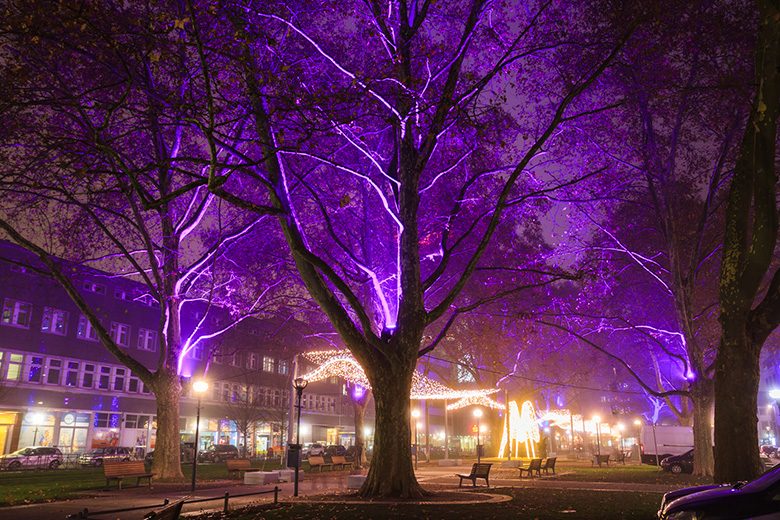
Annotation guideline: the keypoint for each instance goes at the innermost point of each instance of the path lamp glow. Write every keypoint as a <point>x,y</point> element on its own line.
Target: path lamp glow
<point>597,420</point>
<point>199,387</point>
<point>299,384</point>
<point>622,428</point>
<point>415,416</point>
<point>478,415</point>
<point>36,418</point>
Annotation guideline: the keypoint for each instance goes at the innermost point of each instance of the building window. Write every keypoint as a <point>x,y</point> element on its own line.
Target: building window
<point>88,375</point>
<point>197,352</point>
<point>53,371</point>
<point>121,294</point>
<point>235,359</point>
<point>120,375</point>
<point>268,364</point>
<point>253,360</point>
<point>17,313</point>
<point>55,321</point>
<point>133,384</point>
<point>72,373</point>
<point>94,287</point>
<point>104,379</point>
<point>120,333</point>
<point>107,420</point>
<point>147,340</point>
<point>85,330</point>
<point>284,367</point>
<point>13,371</point>
<point>35,369</point>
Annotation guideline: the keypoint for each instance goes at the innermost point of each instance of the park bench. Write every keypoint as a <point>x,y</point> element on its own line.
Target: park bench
<point>239,466</point>
<point>621,457</point>
<point>535,466</point>
<point>599,460</point>
<point>319,463</point>
<point>477,471</point>
<point>169,512</point>
<point>548,465</point>
<point>122,470</point>
<point>340,460</point>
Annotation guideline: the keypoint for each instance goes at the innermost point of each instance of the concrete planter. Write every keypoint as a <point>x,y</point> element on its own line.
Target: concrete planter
<point>261,477</point>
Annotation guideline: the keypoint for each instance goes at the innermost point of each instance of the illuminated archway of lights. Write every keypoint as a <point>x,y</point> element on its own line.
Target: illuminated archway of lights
<point>341,363</point>
<point>523,429</point>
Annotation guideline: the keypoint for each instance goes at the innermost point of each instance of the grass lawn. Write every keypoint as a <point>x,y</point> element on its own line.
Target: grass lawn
<point>629,473</point>
<point>24,487</point>
<point>526,503</point>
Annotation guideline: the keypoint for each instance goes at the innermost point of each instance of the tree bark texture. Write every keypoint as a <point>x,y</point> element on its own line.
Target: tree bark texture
<point>748,249</point>
<point>167,459</point>
<point>391,473</point>
<point>360,448</point>
<point>702,398</point>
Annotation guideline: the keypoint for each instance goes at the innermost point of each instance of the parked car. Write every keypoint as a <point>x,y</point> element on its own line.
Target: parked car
<point>186,453</point>
<point>742,500</point>
<point>37,457</point>
<point>770,451</point>
<point>679,463</point>
<point>218,453</point>
<point>98,456</point>
<point>314,449</point>
<point>334,449</point>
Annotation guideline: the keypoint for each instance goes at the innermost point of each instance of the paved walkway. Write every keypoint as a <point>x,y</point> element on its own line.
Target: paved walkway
<point>435,476</point>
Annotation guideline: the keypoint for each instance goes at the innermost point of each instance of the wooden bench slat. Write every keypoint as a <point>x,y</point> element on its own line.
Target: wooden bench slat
<point>131,469</point>
<point>319,462</point>
<point>239,466</point>
<point>535,466</point>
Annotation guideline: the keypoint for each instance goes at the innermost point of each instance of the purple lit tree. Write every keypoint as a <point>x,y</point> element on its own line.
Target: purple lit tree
<point>102,167</point>
<point>394,141</point>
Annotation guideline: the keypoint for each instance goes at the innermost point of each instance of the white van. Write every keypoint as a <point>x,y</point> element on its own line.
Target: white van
<point>665,441</point>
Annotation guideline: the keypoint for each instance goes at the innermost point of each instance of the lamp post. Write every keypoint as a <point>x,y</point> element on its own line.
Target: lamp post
<point>622,428</point>
<point>478,415</point>
<point>299,384</point>
<point>199,387</point>
<point>415,416</point>
<point>597,420</point>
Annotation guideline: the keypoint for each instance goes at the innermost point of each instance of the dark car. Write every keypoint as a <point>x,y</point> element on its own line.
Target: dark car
<point>186,453</point>
<point>679,463</point>
<point>757,498</point>
<point>37,457</point>
<point>334,449</point>
<point>218,453</point>
<point>97,456</point>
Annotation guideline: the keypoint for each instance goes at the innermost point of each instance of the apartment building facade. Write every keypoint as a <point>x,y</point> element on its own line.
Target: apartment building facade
<point>60,387</point>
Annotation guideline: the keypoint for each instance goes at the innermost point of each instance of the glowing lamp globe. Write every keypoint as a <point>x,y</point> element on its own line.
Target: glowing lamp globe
<point>200,386</point>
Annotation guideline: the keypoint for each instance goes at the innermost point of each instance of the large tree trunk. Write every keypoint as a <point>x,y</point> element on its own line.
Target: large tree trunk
<point>391,473</point>
<point>704,459</point>
<point>167,460</point>
<point>736,391</point>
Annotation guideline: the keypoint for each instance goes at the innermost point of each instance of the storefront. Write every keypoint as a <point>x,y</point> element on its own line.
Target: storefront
<point>74,430</point>
<point>38,429</point>
<point>8,422</point>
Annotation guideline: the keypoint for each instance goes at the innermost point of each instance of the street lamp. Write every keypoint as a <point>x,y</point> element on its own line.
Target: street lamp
<point>597,420</point>
<point>415,416</point>
<point>299,384</point>
<point>478,415</point>
<point>199,387</point>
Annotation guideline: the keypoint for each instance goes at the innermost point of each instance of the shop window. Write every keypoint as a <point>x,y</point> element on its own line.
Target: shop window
<point>88,376</point>
<point>35,369</point>
<point>53,371</point>
<point>13,370</point>
<point>147,340</point>
<point>120,333</point>
<point>16,313</point>
<point>54,321</point>
<point>268,364</point>
<point>85,330</point>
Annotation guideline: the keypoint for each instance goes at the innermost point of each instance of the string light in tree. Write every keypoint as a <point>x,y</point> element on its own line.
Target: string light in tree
<point>341,363</point>
<point>478,400</point>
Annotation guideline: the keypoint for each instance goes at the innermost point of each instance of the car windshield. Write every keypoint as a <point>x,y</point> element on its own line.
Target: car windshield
<point>764,481</point>
<point>23,451</point>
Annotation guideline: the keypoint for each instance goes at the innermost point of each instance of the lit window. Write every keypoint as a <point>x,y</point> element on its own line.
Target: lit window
<point>284,367</point>
<point>53,371</point>
<point>17,313</point>
<point>14,370</point>
<point>235,359</point>
<point>55,321</point>
<point>120,333</point>
<point>147,340</point>
<point>35,369</point>
<point>85,330</point>
<point>268,364</point>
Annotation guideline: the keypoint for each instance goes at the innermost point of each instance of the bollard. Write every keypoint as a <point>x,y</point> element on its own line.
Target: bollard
<point>227,497</point>
<point>276,495</point>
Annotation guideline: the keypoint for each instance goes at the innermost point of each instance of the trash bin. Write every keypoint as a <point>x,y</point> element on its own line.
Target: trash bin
<point>293,455</point>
